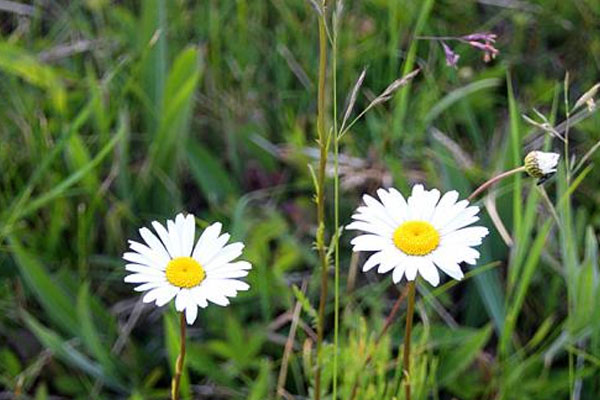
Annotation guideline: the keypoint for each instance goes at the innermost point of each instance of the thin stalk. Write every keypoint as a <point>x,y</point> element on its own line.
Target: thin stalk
<point>406,353</point>
<point>336,216</point>
<point>320,239</point>
<point>568,178</point>
<point>175,383</point>
<point>492,181</point>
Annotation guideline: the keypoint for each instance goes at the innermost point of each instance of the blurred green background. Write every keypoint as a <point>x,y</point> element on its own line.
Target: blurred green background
<point>117,113</point>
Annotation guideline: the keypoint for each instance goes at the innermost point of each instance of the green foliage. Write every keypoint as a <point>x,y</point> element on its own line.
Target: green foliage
<point>115,114</point>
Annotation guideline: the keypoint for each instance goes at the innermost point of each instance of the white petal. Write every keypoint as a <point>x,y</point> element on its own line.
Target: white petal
<point>376,209</point>
<point>443,207</point>
<point>155,244</point>
<point>422,203</point>
<point>412,266</point>
<point>469,255</point>
<point>237,269</point>
<point>373,261</point>
<point>375,228</point>
<point>399,202</point>
<point>191,312</point>
<point>386,266</point>
<point>370,243</point>
<point>182,299</point>
<point>165,238</point>
<point>210,234</point>
<point>143,278</point>
<point>458,254</point>
<point>227,273</point>
<point>442,219</point>
<point>234,266</point>
<point>140,259</point>
<point>392,258</point>
<point>226,255</point>
<point>214,296</point>
<point>161,295</point>
<point>148,285</point>
<point>175,238</point>
<point>160,257</point>
<point>227,287</point>
<point>187,233</point>
<point>472,236</point>
<point>464,218</point>
<point>449,267</point>
<point>398,273</point>
<point>396,210</point>
<point>428,271</point>
<point>144,269</point>
<point>198,296</point>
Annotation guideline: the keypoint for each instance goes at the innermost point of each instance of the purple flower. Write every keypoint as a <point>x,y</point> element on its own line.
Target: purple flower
<point>451,56</point>
<point>480,36</point>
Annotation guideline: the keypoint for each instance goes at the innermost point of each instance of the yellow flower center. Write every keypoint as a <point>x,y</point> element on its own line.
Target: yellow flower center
<point>185,272</point>
<point>416,238</point>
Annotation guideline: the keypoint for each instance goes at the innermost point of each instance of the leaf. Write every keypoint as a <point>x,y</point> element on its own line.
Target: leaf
<point>515,144</point>
<point>66,352</point>
<point>523,285</point>
<point>306,306</point>
<point>175,115</point>
<point>18,62</point>
<point>457,360</point>
<point>259,389</point>
<point>211,176</point>
<point>89,334</point>
<point>57,304</point>
<point>457,95</point>
<point>76,176</point>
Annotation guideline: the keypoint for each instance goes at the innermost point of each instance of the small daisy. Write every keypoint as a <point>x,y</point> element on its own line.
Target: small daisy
<point>540,164</point>
<point>168,266</point>
<point>418,234</point>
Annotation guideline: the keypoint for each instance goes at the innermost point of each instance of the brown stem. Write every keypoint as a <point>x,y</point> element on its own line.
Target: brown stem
<point>492,181</point>
<point>410,310</point>
<point>175,383</point>
<point>323,144</point>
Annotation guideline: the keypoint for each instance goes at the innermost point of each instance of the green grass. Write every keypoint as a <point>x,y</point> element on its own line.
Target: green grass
<point>210,107</point>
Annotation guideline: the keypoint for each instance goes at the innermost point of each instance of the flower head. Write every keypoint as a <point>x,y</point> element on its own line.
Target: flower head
<point>419,235</point>
<point>168,266</point>
<point>541,165</point>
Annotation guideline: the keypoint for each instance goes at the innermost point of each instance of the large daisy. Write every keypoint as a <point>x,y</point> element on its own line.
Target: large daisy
<point>168,266</point>
<point>418,235</point>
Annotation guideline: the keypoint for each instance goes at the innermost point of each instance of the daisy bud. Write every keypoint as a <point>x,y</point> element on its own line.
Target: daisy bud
<point>541,165</point>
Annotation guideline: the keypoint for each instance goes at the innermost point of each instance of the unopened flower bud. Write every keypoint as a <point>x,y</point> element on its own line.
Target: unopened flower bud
<point>541,165</point>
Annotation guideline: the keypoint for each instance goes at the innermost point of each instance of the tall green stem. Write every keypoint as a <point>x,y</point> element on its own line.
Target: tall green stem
<point>406,353</point>
<point>175,383</point>
<point>336,214</point>
<point>323,139</point>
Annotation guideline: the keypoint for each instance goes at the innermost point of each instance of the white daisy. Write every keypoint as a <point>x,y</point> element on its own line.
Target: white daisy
<point>166,267</point>
<point>418,234</point>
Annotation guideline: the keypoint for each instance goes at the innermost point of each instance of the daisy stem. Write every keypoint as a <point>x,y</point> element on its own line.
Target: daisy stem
<point>495,179</point>
<point>179,363</point>
<point>410,310</point>
<point>323,140</point>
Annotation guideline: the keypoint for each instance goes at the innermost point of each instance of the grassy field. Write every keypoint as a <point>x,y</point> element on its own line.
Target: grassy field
<point>117,113</point>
